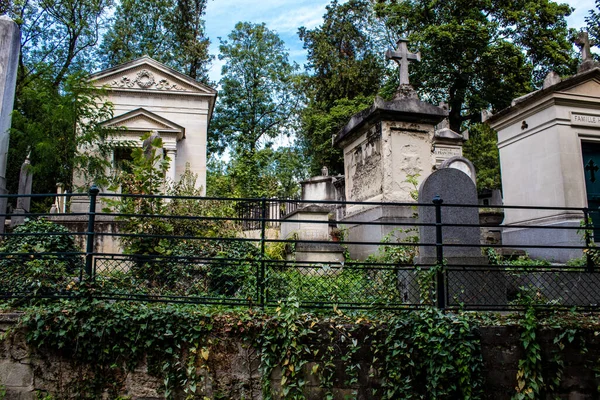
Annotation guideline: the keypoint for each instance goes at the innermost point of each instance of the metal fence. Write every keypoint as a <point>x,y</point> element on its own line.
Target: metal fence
<point>199,250</point>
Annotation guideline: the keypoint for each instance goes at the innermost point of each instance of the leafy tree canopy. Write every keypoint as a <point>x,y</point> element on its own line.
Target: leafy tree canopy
<point>478,54</point>
<point>257,103</point>
<point>170,31</point>
<point>347,66</point>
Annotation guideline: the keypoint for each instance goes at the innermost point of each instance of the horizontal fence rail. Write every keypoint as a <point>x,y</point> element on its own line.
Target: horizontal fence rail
<point>257,252</point>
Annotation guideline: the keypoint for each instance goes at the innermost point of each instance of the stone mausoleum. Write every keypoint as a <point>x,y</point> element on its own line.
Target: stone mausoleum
<point>148,96</point>
<point>549,143</point>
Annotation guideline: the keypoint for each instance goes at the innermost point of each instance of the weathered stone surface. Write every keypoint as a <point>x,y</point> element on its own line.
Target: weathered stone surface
<point>10,42</point>
<point>14,374</point>
<point>232,370</point>
<point>452,187</point>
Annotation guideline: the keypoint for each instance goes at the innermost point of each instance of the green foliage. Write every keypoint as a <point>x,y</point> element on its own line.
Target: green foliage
<point>170,31</point>
<point>25,268</point>
<point>530,380</point>
<point>44,124</point>
<point>257,103</point>
<point>319,124</point>
<point>482,150</point>
<point>479,54</point>
<point>269,173</point>
<point>110,340</point>
<point>57,37</point>
<point>593,25</point>
<point>347,70</point>
<point>179,249</point>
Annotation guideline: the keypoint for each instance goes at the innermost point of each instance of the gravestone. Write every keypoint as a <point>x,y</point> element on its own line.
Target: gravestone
<point>10,42</point>
<point>462,164</point>
<point>467,282</point>
<point>453,187</point>
<point>23,203</point>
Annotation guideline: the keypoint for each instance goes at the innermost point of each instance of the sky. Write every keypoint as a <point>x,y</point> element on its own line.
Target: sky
<point>286,16</point>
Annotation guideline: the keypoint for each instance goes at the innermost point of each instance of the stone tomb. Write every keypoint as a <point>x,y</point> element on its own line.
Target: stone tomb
<point>549,143</point>
<point>385,147</point>
<point>311,222</point>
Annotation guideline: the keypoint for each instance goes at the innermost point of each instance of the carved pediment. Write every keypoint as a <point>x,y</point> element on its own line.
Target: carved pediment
<point>141,120</point>
<point>148,74</point>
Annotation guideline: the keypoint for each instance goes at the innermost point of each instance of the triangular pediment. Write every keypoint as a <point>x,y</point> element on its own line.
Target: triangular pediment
<point>141,120</point>
<point>147,74</point>
<point>587,88</point>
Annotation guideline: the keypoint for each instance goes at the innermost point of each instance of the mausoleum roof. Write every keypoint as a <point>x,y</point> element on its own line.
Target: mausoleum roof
<point>406,109</point>
<point>523,102</point>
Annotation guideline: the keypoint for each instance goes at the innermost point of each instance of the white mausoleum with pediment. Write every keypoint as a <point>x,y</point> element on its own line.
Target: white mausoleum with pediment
<point>149,96</point>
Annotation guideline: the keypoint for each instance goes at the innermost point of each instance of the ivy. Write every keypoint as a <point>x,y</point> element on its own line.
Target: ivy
<point>424,354</point>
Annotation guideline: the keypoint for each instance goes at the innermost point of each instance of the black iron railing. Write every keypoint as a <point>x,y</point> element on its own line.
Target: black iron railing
<point>216,251</point>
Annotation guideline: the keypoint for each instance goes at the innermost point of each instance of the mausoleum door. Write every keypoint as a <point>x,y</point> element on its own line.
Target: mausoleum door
<point>591,170</point>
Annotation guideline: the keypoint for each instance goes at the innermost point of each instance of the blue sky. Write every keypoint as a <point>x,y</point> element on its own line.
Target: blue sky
<point>286,16</point>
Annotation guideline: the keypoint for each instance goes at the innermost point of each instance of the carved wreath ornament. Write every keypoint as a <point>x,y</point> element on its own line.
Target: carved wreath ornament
<point>145,80</point>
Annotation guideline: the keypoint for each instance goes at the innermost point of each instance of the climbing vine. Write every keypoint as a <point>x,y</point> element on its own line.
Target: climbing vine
<point>424,354</point>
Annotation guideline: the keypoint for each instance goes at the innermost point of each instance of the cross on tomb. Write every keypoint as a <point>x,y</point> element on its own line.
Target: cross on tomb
<point>583,42</point>
<point>402,57</point>
<point>592,168</point>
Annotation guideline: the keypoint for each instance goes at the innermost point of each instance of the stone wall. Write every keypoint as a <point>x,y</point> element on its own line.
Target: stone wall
<point>234,372</point>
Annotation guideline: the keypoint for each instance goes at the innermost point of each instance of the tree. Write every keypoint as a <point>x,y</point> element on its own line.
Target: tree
<point>170,31</point>
<point>347,65</point>
<point>480,54</point>
<point>257,102</point>
<point>482,150</point>
<point>593,25</point>
<point>52,125</point>
<point>57,37</point>
<point>52,98</point>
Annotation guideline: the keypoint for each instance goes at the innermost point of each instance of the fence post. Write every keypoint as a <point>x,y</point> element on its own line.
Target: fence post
<point>90,235</point>
<point>588,241</point>
<point>260,284</point>
<point>439,247</point>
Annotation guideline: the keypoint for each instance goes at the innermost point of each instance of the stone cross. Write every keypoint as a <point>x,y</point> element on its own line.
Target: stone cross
<point>10,43</point>
<point>583,42</point>
<point>402,57</point>
<point>592,168</point>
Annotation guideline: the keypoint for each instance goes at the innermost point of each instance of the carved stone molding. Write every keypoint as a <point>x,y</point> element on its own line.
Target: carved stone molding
<point>145,80</point>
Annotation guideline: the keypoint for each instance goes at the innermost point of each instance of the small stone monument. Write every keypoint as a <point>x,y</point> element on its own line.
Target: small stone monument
<point>462,164</point>
<point>23,203</point>
<point>446,143</point>
<point>10,42</point>
<point>311,222</point>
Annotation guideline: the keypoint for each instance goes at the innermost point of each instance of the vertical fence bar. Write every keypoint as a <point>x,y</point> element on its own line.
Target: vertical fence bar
<point>90,235</point>
<point>589,262</point>
<point>260,284</point>
<point>439,249</point>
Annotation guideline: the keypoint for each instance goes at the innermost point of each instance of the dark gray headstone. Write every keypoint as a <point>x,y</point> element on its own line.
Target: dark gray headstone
<point>453,187</point>
<point>466,283</point>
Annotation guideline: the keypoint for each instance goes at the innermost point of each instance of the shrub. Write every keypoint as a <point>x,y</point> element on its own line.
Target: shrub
<point>41,257</point>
